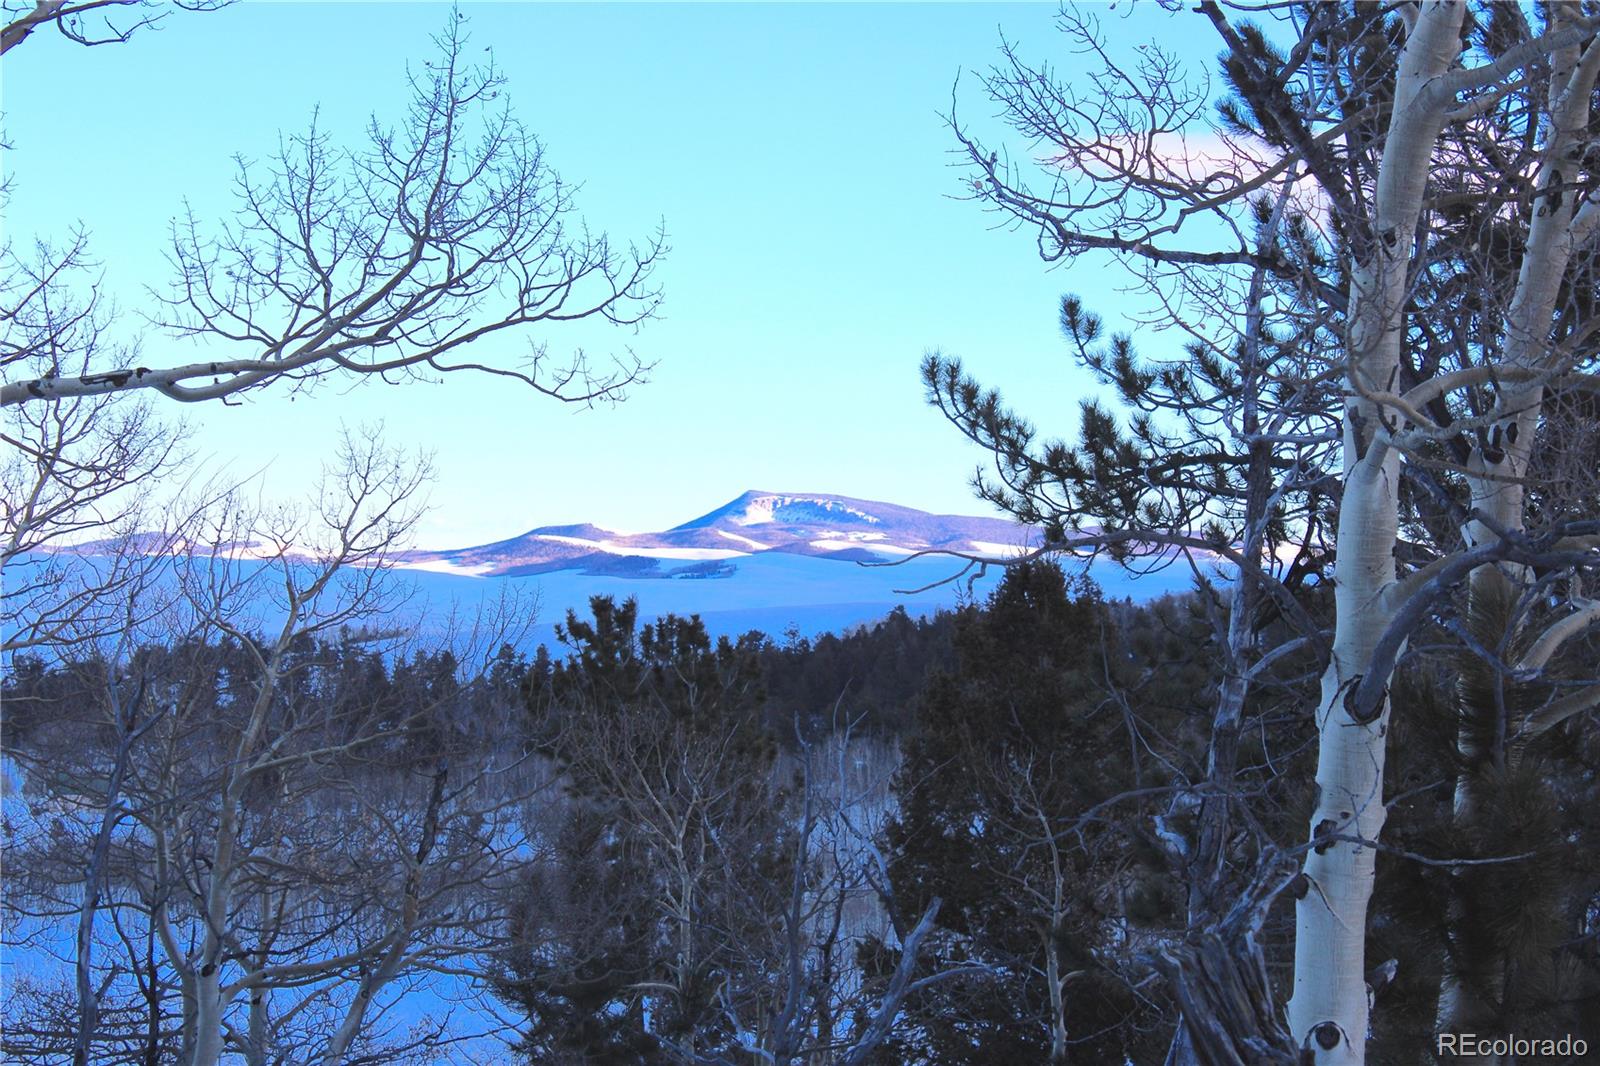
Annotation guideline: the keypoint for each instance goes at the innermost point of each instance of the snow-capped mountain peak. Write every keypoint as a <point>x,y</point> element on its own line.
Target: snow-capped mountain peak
<point>755,522</point>
<point>764,508</point>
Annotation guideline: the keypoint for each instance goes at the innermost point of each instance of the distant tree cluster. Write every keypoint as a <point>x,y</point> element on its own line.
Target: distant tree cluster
<point>866,677</point>
<point>673,826</point>
<point>1029,825</point>
<point>285,891</point>
<point>710,868</point>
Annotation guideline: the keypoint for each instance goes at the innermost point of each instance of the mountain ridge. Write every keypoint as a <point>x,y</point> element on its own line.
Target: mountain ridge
<point>822,525</point>
<point>763,560</point>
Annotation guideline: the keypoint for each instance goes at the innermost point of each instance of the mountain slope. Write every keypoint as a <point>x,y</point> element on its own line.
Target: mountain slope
<point>814,524</point>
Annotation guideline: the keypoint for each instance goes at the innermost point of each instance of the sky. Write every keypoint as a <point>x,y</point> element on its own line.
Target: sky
<point>797,155</point>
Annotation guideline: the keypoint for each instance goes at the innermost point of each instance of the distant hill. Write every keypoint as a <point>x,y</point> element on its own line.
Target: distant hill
<point>779,562</point>
<point>820,525</point>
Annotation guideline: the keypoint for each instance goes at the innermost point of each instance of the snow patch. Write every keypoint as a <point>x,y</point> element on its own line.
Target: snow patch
<point>763,509</point>
<point>756,544</point>
<point>613,548</point>
<point>834,544</point>
<point>445,566</point>
<point>991,547</point>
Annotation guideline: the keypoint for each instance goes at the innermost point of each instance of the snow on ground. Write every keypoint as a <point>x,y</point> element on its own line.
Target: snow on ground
<point>773,592</point>
<point>614,548</point>
<point>993,547</point>
<point>756,544</point>
<point>834,544</point>
<point>444,566</point>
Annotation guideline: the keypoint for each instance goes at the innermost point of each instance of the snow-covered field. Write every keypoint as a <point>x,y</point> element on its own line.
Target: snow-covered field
<point>770,592</point>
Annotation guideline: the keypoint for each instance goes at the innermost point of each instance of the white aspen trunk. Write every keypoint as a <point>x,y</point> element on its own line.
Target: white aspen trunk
<point>210,1004</point>
<point>191,1017</point>
<point>161,926</point>
<point>1497,474</point>
<point>207,1050</point>
<point>1328,1012</point>
<point>260,1021</point>
<point>260,1030</point>
<point>1058,1006</point>
<point>208,1000</point>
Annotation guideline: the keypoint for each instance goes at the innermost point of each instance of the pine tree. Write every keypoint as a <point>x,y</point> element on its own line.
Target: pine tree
<point>1009,811</point>
<point>639,921</point>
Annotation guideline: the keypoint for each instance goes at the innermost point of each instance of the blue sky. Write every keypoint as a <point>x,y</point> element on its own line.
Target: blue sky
<point>796,153</point>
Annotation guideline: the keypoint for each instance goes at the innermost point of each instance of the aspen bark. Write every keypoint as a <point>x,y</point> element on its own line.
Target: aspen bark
<point>1499,463</point>
<point>1328,1011</point>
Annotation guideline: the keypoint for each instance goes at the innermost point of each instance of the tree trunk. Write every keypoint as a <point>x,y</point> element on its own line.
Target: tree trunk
<point>1328,1009</point>
<point>94,879</point>
<point>1499,463</point>
<point>1209,859</point>
<point>152,1010</point>
<point>207,1048</point>
<point>1058,1011</point>
<point>1219,979</point>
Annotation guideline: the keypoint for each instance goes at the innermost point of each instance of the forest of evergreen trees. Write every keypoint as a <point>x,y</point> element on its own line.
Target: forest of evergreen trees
<point>953,840</point>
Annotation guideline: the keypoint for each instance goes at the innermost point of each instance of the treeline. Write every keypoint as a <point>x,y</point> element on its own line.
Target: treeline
<point>964,840</point>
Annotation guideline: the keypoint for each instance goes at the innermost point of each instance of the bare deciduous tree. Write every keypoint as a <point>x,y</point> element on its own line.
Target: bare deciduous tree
<point>390,261</point>
<point>89,22</point>
<point>798,993</point>
<point>255,859</point>
<point>81,468</point>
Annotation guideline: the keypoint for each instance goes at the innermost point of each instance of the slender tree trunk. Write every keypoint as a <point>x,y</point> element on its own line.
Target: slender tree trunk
<point>152,1000</point>
<point>260,1022</point>
<point>1499,465</point>
<point>1328,1010</point>
<point>1205,905</point>
<point>209,1002</point>
<point>208,999</point>
<point>94,879</point>
<point>410,908</point>
<point>152,1033</point>
<point>1207,863</point>
<point>1058,1007</point>
<point>260,1033</point>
